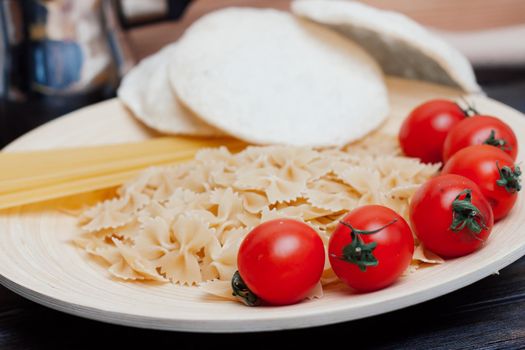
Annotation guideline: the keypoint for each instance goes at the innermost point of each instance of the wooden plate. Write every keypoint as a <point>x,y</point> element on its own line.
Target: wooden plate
<point>38,261</point>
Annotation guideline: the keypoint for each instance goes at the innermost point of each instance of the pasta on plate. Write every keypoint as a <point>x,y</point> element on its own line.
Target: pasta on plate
<point>184,224</point>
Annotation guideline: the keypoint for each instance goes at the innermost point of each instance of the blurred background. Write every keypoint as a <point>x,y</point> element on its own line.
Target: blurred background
<point>59,55</point>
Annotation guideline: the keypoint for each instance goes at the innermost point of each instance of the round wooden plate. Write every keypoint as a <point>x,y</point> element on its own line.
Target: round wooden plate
<point>38,261</point>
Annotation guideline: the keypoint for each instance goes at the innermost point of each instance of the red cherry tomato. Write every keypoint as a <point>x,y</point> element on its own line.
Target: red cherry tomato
<point>371,248</point>
<point>450,216</point>
<point>479,130</point>
<point>424,130</point>
<point>493,171</point>
<point>281,260</point>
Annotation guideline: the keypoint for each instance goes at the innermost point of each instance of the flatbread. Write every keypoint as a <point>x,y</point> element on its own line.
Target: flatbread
<point>146,91</point>
<point>401,46</point>
<point>268,77</point>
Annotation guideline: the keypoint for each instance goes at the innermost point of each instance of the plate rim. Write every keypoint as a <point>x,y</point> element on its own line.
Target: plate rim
<point>264,325</point>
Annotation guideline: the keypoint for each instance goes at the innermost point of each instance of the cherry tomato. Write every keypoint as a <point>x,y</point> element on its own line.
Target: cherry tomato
<point>450,215</point>
<point>424,130</point>
<point>280,261</point>
<point>371,248</point>
<point>479,130</point>
<point>493,171</point>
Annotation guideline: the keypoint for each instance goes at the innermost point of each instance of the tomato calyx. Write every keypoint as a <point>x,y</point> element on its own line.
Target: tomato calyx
<point>510,179</point>
<point>359,252</point>
<point>470,110</point>
<point>241,291</point>
<point>493,141</point>
<point>466,214</point>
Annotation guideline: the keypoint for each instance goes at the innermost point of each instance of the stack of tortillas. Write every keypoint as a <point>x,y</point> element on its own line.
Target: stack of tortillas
<point>270,77</point>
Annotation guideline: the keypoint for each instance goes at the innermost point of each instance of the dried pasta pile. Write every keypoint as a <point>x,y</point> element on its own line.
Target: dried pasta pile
<point>184,224</point>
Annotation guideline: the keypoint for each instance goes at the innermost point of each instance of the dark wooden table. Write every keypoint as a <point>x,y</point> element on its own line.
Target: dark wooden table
<point>489,314</point>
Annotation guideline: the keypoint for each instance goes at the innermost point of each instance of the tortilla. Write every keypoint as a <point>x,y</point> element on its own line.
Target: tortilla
<point>400,45</point>
<point>268,77</point>
<point>146,91</point>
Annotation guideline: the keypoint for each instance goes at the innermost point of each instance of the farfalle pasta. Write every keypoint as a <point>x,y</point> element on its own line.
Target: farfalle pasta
<point>184,224</point>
